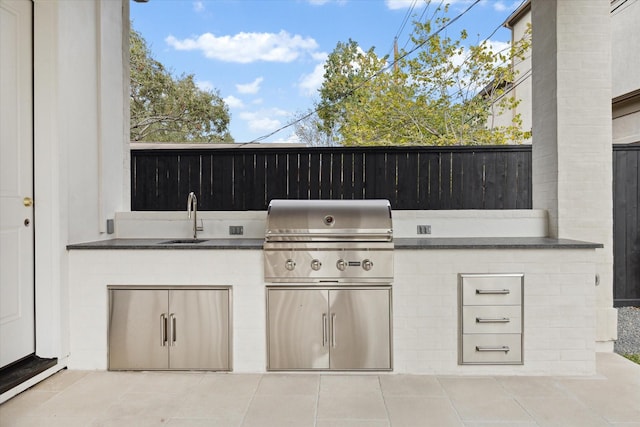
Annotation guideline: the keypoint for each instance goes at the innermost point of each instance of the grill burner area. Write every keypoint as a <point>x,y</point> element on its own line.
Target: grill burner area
<point>329,241</point>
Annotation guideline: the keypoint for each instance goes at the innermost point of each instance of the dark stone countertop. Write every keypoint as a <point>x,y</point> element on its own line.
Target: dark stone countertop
<point>492,243</point>
<point>400,243</point>
<point>161,244</point>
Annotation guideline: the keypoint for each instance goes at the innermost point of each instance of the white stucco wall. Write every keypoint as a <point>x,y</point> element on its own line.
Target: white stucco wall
<point>559,302</point>
<point>572,142</point>
<point>79,144</point>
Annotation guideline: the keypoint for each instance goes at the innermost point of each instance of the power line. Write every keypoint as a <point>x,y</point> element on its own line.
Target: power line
<point>384,69</point>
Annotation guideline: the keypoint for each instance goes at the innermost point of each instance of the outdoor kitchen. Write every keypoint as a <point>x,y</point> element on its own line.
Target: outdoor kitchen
<point>404,297</point>
<point>332,270</point>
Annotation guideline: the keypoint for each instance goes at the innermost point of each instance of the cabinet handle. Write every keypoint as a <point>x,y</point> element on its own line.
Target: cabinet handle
<point>172,317</point>
<point>493,291</point>
<point>163,330</point>
<point>504,348</point>
<point>324,329</point>
<point>333,329</point>
<point>494,320</point>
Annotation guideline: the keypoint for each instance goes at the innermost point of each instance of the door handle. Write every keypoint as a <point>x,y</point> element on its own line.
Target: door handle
<point>27,201</point>
<point>172,319</point>
<point>333,330</point>
<point>324,329</point>
<point>163,330</point>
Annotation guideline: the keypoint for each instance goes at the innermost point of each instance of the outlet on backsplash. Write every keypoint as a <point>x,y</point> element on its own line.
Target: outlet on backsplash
<point>424,229</point>
<point>236,230</point>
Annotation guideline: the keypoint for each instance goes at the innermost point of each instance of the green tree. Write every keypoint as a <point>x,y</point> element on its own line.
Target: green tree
<point>441,94</point>
<point>168,109</point>
<point>309,130</point>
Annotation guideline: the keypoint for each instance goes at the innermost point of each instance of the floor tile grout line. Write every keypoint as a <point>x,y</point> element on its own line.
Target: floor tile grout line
<point>580,402</point>
<point>255,392</point>
<point>384,401</point>
<point>448,396</point>
<point>516,400</point>
<point>317,407</point>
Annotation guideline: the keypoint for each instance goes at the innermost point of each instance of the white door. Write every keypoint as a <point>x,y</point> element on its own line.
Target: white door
<point>17,323</point>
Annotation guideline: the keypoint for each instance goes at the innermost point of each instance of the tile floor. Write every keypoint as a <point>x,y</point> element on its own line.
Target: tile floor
<point>81,398</point>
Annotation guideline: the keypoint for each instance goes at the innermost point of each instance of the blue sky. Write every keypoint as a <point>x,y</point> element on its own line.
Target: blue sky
<point>265,57</point>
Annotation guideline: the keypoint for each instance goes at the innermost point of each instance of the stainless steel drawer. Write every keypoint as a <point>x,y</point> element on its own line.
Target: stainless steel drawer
<point>500,289</point>
<point>482,319</point>
<point>492,348</point>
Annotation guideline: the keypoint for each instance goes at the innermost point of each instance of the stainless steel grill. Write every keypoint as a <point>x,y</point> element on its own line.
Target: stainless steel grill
<point>328,241</point>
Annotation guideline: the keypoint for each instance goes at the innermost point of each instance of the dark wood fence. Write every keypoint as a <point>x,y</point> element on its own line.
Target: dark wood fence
<point>626,225</point>
<point>410,178</point>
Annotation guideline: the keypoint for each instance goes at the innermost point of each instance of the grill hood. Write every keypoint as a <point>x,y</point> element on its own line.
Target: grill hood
<point>329,220</point>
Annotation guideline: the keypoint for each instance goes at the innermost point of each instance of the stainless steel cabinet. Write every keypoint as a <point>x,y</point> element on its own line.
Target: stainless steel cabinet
<point>329,328</point>
<point>169,328</point>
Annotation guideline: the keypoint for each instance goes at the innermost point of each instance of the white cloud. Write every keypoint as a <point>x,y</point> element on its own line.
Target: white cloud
<point>233,102</point>
<point>399,4</point>
<point>310,83</point>
<point>248,47</point>
<point>264,120</point>
<point>499,6</point>
<point>292,138</point>
<point>323,2</point>
<point>198,6</point>
<point>205,85</point>
<point>250,88</point>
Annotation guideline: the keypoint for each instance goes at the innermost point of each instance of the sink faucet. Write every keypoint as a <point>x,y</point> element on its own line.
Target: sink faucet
<point>192,204</point>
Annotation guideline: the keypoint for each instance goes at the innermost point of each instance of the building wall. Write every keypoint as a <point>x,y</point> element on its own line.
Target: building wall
<point>522,85</point>
<point>572,136</point>
<point>625,16</point>
<point>79,143</point>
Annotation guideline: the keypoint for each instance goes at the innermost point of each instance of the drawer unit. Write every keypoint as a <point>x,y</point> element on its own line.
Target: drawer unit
<point>490,318</point>
<point>491,290</point>
<point>492,349</point>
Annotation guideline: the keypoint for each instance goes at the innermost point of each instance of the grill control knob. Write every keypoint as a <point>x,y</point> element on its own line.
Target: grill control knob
<point>367,264</point>
<point>341,264</point>
<point>290,264</point>
<point>316,264</point>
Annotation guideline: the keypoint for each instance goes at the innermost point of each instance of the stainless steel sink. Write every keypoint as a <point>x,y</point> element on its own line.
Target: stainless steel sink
<point>183,241</point>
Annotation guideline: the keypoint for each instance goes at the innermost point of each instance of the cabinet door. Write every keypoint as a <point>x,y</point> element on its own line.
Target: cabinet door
<point>199,329</point>
<point>298,329</point>
<point>360,329</point>
<point>138,329</point>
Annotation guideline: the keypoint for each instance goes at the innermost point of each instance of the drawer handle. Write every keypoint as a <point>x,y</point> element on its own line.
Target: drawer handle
<point>504,348</point>
<point>493,291</point>
<point>494,320</point>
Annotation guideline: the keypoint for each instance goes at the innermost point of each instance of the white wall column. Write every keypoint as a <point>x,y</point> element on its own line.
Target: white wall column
<point>80,144</point>
<point>572,153</point>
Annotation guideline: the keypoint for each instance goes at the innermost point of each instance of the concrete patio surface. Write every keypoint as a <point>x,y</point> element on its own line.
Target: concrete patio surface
<point>98,398</point>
